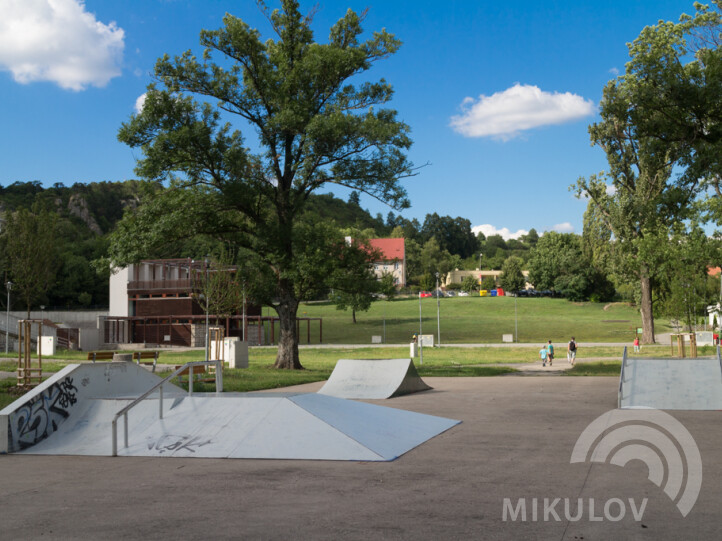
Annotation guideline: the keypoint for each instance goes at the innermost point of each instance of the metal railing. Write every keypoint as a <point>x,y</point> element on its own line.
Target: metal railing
<point>149,285</point>
<point>621,378</point>
<point>719,358</point>
<point>188,366</point>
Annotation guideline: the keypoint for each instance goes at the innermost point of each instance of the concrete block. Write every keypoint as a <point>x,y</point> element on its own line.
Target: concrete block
<point>48,345</point>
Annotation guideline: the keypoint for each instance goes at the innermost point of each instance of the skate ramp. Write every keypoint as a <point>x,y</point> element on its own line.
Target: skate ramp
<point>252,425</point>
<point>671,384</point>
<point>67,395</point>
<point>373,379</point>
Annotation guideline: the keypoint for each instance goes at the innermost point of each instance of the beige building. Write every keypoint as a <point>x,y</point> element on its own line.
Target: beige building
<point>457,276</point>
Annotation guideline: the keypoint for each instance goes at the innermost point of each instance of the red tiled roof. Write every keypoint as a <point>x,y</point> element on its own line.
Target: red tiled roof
<point>391,249</point>
<point>713,271</point>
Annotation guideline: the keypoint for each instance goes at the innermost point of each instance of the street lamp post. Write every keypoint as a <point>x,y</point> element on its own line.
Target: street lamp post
<point>208,309</point>
<point>438,317</point>
<point>9,286</point>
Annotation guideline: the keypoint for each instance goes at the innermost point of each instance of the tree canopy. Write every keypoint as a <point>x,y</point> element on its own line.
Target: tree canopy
<point>652,119</point>
<point>316,123</point>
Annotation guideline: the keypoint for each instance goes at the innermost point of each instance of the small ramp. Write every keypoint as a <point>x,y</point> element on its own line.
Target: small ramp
<point>373,379</point>
<point>671,384</point>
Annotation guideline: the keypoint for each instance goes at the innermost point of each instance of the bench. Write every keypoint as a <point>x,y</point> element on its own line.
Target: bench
<point>100,355</point>
<point>200,374</point>
<point>148,358</point>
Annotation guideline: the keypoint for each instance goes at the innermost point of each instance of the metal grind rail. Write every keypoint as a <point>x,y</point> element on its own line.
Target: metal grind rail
<point>621,378</point>
<point>159,386</point>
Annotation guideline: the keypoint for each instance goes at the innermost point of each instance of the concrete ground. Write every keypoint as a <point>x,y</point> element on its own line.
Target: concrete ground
<point>514,443</point>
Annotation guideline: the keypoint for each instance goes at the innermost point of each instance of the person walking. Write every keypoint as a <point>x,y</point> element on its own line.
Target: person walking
<point>636,344</point>
<point>571,351</point>
<point>543,355</point>
<point>550,352</point>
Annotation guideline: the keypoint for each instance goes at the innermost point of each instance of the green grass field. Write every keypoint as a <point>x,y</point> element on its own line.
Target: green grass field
<point>476,320</point>
<point>463,320</point>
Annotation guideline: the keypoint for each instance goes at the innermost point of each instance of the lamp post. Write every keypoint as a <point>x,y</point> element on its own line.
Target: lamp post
<point>438,311</point>
<point>208,308</point>
<point>480,261</point>
<point>9,286</point>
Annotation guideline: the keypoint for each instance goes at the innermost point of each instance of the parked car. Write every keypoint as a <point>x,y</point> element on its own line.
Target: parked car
<point>451,293</point>
<point>463,293</point>
<point>438,294</point>
<point>424,294</point>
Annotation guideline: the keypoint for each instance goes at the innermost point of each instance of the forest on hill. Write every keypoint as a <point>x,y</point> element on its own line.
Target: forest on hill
<point>82,216</point>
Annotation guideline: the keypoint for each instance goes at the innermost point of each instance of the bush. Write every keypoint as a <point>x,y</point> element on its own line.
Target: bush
<point>454,286</point>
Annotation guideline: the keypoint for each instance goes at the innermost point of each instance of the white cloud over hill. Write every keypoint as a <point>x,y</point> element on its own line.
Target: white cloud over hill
<point>60,42</point>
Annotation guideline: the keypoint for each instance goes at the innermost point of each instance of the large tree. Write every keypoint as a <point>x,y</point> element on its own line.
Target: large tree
<point>651,118</point>
<point>30,249</point>
<point>317,120</point>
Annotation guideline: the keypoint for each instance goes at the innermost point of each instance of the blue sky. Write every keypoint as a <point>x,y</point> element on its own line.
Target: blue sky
<point>498,95</point>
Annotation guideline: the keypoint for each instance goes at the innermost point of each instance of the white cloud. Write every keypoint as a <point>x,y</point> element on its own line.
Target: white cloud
<point>522,107</point>
<point>565,227</point>
<point>58,41</point>
<point>505,233</point>
<point>611,189</point>
<point>140,102</point>
<point>614,71</point>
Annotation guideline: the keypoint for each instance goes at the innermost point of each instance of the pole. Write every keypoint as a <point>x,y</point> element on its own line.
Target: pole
<point>516,325</point>
<point>421,342</point>
<point>438,312</point>
<point>208,308</point>
<point>384,322</point>
<point>244,312</point>
<point>9,286</point>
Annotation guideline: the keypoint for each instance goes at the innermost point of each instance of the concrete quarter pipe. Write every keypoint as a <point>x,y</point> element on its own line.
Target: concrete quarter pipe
<point>373,379</point>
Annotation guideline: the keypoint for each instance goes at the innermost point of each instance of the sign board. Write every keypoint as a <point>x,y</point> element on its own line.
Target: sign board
<point>508,338</point>
<point>375,339</point>
<point>427,340</point>
<point>640,330</point>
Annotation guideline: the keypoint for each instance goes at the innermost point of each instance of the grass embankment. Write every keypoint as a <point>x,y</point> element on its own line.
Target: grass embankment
<point>476,320</point>
<point>318,363</point>
<point>598,368</point>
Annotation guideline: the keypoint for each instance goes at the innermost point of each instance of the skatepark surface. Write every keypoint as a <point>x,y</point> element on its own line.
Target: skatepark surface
<point>515,442</point>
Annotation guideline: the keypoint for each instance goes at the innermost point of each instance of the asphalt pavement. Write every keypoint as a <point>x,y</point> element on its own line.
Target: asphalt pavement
<point>482,479</point>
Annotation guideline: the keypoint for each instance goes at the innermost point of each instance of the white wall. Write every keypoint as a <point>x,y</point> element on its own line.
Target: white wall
<point>119,305</point>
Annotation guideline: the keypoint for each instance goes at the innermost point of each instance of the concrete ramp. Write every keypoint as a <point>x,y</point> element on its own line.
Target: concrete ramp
<point>671,384</point>
<point>373,379</point>
<point>42,411</point>
<point>71,414</point>
<point>300,426</point>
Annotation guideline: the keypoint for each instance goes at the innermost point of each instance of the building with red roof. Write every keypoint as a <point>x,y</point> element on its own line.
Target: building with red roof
<point>393,259</point>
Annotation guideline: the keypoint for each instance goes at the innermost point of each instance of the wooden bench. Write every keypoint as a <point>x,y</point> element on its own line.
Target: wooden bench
<point>147,358</point>
<point>100,355</point>
<point>200,374</point>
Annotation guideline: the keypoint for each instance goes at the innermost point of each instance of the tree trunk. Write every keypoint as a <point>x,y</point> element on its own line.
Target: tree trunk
<point>645,308</point>
<point>287,356</point>
<point>353,315</point>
